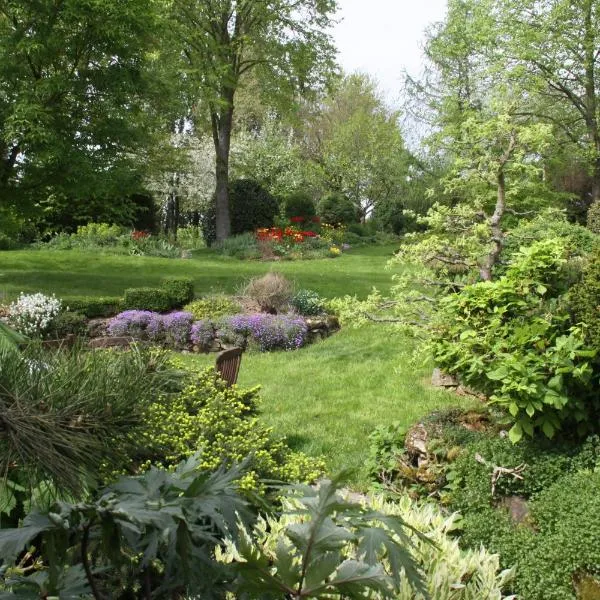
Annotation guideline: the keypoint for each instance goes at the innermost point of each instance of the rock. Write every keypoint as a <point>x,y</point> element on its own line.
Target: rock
<point>439,379</point>
<point>186,254</point>
<point>517,508</point>
<point>416,440</point>
<point>111,342</point>
<point>315,323</point>
<point>333,323</point>
<point>97,327</point>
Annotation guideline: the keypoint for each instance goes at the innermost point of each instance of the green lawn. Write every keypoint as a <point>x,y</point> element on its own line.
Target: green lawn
<point>325,398</point>
<point>74,273</point>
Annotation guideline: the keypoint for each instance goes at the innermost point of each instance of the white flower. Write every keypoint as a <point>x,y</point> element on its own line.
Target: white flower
<point>32,314</point>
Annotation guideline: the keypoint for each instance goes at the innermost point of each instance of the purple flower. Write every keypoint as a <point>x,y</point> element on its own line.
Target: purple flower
<point>269,332</point>
<point>131,323</point>
<point>202,333</point>
<point>177,327</point>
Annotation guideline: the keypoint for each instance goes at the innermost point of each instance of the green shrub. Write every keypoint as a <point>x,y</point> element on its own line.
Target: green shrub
<point>443,563</point>
<point>101,234</point>
<point>212,306</point>
<point>300,204</point>
<point>593,218</point>
<point>68,323</point>
<point>308,303</point>
<point>389,215</point>
<point>337,209</point>
<point>153,299</point>
<point>179,289</point>
<point>250,207</point>
<point>512,339</point>
<point>223,422</point>
<point>243,246</point>
<point>585,301</point>
<point>5,242</point>
<point>94,307</point>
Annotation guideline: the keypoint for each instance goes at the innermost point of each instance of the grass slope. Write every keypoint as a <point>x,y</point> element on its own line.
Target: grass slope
<point>325,398</point>
<point>73,273</point>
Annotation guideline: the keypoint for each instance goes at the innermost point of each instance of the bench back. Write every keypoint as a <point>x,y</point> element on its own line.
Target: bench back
<point>228,365</point>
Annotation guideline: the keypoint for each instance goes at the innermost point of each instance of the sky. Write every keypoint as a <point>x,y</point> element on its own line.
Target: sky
<point>384,38</point>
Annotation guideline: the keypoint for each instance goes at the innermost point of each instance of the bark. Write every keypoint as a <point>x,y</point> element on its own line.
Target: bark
<point>7,162</point>
<point>497,234</point>
<point>222,122</point>
<point>486,270</point>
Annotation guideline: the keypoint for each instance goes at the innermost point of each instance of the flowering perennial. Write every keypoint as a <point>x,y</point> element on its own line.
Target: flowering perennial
<point>202,333</point>
<point>33,314</point>
<point>285,235</point>
<point>270,332</point>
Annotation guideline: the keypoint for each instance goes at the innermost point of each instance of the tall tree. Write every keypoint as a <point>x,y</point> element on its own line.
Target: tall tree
<point>76,78</point>
<point>283,42</point>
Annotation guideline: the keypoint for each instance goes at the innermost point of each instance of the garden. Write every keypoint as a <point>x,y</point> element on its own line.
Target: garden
<point>415,295</point>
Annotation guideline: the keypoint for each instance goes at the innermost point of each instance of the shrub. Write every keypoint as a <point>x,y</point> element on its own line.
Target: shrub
<point>92,307</point>
<point>337,209</point>
<point>243,246</point>
<point>152,299</point>
<point>585,301</point>
<point>308,303</point>
<point>33,314</point>
<point>593,218</point>
<point>131,323</point>
<point>512,340</point>
<point>213,307</point>
<point>268,332</point>
<point>250,207</point>
<point>190,238</point>
<point>68,323</point>
<point>447,571</point>
<point>66,414</point>
<point>179,289</point>
<point>389,215</point>
<point>5,242</point>
<point>101,234</point>
<point>222,422</point>
<point>300,204</point>
<point>272,292</point>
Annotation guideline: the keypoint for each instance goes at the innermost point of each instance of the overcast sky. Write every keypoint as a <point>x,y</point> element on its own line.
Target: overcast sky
<point>384,37</point>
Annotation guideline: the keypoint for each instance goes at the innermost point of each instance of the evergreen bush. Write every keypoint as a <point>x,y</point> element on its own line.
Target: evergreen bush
<point>146,298</point>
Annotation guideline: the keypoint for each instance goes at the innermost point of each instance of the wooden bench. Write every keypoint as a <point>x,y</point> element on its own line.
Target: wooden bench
<point>228,365</point>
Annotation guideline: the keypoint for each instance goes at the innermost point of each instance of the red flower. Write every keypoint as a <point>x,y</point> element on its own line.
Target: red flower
<point>139,235</point>
<point>316,219</point>
<point>297,219</point>
<point>309,234</point>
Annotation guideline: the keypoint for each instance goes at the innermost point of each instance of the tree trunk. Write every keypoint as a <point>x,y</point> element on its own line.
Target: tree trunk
<point>8,159</point>
<point>222,122</point>
<point>497,234</point>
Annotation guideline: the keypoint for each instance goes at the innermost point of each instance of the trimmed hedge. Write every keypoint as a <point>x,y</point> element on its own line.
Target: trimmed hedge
<point>179,289</point>
<point>146,298</point>
<point>94,307</point>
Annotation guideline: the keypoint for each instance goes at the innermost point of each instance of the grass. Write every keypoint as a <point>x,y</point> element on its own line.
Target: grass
<point>76,273</point>
<point>326,398</point>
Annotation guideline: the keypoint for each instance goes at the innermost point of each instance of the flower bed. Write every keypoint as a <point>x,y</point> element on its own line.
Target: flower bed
<point>179,331</point>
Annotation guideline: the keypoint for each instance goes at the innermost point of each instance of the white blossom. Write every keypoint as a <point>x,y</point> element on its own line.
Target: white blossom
<point>32,314</point>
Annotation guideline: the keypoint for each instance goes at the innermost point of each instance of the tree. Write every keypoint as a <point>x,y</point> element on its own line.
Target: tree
<point>283,42</point>
<point>76,79</point>
<point>359,148</point>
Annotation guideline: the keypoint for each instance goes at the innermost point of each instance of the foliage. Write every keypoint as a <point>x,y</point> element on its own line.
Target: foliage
<point>81,121</point>
<point>250,207</point>
<point>223,422</point>
<point>337,209</point>
<point>272,292</point>
<point>328,547</point>
<point>268,332</point>
<point>101,234</point>
<point>153,535</point>
<point>33,314</point>
<point>179,289</point>
<point>390,216</point>
<point>512,340</point>
<point>299,204</point>
<point>585,301</point>
<point>217,305</point>
<point>307,302</point>
<point>9,339</point>
<point>68,323</point>
<point>146,298</point>
<point>243,246</point>
<point>172,330</point>
<point>448,571</point>
<point>66,413</point>
<point>560,543</point>
<point>386,444</point>
<point>190,237</point>
<point>593,218</point>
<point>93,307</point>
